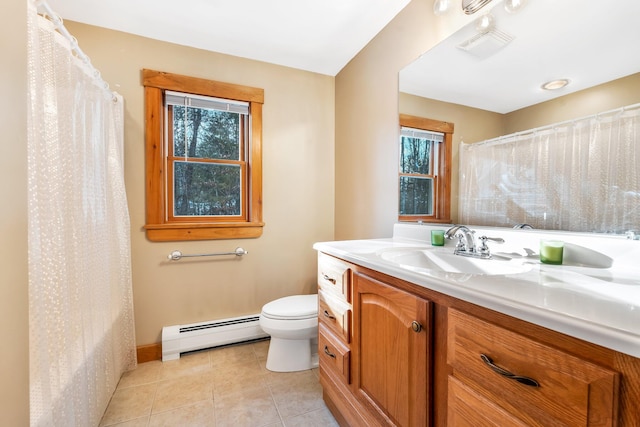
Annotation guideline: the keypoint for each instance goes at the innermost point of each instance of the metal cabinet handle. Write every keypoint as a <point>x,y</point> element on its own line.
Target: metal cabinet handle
<point>328,353</point>
<point>523,380</point>
<point>329,279</point>
<point>326,314</point>
<point>417,327</point>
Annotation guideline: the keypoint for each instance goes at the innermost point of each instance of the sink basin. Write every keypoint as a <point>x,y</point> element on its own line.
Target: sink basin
<point>439,261</point>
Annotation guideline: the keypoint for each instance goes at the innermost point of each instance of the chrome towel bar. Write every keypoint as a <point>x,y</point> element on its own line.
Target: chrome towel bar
<point>177,255</point>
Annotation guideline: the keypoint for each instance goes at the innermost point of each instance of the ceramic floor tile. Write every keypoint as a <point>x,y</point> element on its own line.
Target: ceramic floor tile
<point>306,397</point>
<point>190,364</point>
<point>145,373</point>
<point>138,422</point>
<point>223,387</point>
<point>228,372</point>
<point>318,418</point>
<point>252,408</point>
<point>129,403</point>
<point>290,378</point>
<point>182,391</point>
<point>261,349</point>
<point>233,355</point>
<point>236,385</point>
<point>195,415</point>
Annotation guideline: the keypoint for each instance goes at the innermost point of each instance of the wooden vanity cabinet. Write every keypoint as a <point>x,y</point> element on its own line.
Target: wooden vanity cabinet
<point>522,378</point>
<point>412,357</point>
<point>334,335</point>
<point>391,345</point>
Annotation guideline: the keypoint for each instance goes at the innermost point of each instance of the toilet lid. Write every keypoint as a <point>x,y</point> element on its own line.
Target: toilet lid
<point>292,308</point>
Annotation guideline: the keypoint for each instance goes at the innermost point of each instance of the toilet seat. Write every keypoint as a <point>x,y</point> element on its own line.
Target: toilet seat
<point>296,307</point>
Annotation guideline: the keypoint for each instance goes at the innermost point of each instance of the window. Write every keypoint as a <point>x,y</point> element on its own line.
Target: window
<point>425,169</point>
<point>203,158</point>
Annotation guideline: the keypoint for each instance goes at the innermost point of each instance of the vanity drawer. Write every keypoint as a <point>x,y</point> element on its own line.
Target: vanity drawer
<point>571,391</point>
<point>467,408</point>
<point>335,314</point>
<point>333,354</point>
<point>334,276</point>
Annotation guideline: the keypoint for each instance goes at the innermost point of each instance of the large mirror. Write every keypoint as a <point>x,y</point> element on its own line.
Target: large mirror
<point>487,77</point>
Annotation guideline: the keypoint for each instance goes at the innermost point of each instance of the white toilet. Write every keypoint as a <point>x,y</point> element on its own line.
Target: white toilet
<point>292,323</point>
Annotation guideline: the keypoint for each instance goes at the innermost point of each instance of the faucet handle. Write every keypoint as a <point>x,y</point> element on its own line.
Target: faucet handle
<point>484,249</point>
<point>460,246</point>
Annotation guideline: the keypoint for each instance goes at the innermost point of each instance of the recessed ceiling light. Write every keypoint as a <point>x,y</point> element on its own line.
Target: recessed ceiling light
<point>555,84</point>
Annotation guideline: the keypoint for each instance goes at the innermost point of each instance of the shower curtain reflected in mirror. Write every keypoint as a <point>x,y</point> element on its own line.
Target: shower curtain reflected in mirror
<point>80,297</point>
<point>582,175</point>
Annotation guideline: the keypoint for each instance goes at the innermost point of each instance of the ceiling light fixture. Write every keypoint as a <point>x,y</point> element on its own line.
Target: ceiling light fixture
<point>555,84</point>
<point>470,7</point>
<point>485,23</point>
<point>440,7</point>
<point>512,6</point>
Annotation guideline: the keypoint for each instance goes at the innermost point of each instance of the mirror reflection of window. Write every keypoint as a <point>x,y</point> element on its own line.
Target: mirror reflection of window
<point>418,170</point>
<point>424,178</point>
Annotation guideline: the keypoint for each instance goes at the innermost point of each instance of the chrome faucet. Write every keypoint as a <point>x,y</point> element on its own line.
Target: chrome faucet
<point>466,243</point>
<point>523,227</point>
<point>462,232</point>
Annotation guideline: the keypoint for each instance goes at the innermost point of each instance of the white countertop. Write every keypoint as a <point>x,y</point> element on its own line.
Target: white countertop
<point>599,305</point>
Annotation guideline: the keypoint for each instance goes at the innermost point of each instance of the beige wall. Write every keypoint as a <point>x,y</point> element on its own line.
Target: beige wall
<point>367,126</point>
<point>367,120</point>
<point>298,153</point>
<point>14,335</point>
<point>604,97</point>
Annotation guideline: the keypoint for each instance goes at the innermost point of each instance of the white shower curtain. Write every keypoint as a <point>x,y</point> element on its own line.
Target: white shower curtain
<point>582,175</point>
<point>81,333</point>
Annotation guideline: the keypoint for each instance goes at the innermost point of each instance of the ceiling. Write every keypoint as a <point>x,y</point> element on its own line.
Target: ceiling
<point>587,42</point>
<point>318,36</point>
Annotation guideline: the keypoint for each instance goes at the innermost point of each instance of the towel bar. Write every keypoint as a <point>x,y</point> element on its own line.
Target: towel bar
<point>177,255</point>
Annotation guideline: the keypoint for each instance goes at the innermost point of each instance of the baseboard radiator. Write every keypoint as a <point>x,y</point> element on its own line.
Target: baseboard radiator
<point>197,336</point>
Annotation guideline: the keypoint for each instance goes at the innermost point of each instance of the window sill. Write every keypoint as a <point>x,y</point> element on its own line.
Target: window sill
<point>199,231</point>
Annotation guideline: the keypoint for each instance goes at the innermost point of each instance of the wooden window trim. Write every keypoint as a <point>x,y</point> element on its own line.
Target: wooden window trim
<point>158,226</point>
<point>442,196</point>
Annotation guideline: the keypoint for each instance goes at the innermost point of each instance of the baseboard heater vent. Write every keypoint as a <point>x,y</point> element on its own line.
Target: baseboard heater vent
<point>179,339</point>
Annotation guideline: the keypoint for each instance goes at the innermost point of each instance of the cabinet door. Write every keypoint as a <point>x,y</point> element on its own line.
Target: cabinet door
<point>391,345</point>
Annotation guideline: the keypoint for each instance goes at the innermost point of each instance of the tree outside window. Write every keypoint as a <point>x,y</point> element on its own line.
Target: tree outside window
<point>203,142</point>
<point>424,169</point>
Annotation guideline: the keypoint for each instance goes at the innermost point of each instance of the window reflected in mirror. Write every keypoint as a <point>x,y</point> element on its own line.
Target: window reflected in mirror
<point>424,169</point>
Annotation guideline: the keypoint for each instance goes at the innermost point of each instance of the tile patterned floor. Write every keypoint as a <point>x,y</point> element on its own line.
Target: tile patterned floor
<point>222,387</point>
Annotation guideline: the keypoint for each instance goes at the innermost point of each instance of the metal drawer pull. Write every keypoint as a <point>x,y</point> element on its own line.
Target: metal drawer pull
<point>326,314</point>
<point>329,279</point>
<point>523,380</point>
<point>328,353</point>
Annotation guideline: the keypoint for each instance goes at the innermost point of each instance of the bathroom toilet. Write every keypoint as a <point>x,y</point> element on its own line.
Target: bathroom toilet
<point>292,323</point>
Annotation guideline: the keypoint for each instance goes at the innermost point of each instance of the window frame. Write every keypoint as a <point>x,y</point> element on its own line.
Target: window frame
<point>160,225</point>
<point>442,181</point>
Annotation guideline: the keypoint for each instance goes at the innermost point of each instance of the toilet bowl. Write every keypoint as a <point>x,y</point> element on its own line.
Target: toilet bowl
<point>292,323</point>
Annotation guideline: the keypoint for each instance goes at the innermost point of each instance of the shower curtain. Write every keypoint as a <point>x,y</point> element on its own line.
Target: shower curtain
<point>581,175</point>
<point>81,333</point>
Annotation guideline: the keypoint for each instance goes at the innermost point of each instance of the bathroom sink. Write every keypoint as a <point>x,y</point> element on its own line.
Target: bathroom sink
<point>438,261</point>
